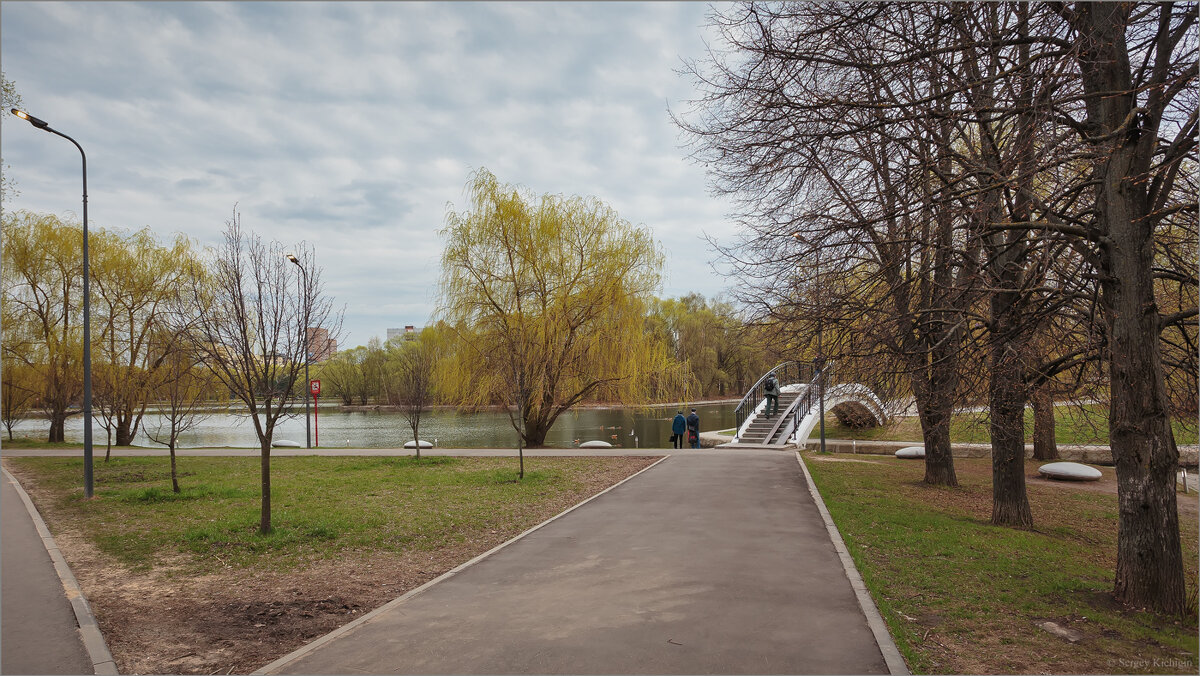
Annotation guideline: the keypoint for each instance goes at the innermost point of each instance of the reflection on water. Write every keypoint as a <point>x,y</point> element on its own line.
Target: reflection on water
<point>378,429</point>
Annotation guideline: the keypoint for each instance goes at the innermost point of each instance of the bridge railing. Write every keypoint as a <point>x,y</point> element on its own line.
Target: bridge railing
<point>786,373</point>
<point>812,395</point>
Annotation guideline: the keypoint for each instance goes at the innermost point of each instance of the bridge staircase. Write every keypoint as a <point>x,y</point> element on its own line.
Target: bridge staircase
<point>764,429</point>
<point>804,391</point>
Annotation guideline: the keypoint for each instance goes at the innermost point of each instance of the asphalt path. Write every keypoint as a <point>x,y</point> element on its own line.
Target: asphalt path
<point>708,562</point>
<point>38,630</point>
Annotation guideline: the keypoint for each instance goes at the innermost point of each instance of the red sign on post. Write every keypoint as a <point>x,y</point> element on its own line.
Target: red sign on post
<point>314,386</point>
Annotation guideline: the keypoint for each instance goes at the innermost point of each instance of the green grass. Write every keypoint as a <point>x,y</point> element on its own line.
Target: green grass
<point>962,596</point>
<point>321,506</point>
<point>1087,425</point>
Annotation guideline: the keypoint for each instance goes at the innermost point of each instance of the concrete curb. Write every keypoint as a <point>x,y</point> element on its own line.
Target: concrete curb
<point>891,655</point>
<point>89,631</point>
<point>273,667</point>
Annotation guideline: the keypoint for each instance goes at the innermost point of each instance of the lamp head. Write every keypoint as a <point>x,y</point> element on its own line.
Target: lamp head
<point>292,258</point>
<point>40,124</point>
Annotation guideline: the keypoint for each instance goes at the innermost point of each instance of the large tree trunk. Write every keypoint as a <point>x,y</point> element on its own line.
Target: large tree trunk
<point>933,390</point>
<point>535,433</point>
<point>1045,447</point>
<point>58,421</point>
<point>1006,405</point>
<point>1149,557</point>
<point>124,434</point>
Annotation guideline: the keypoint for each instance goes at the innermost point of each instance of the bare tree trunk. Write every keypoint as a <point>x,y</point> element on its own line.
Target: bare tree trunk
<point>535,434</point>
<point>108,445</point>
<point>264,523</point>
<point>1010,502</point>
<point>1045,447</point>
<point>1149,557</point>
<point>57,425</point>
<point>124,435</point>
<point>933,390</point>
<point>174,476</point>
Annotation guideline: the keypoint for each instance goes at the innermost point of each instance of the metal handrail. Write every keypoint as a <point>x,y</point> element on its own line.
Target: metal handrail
<point>812,395</point>
<point>787,373</point>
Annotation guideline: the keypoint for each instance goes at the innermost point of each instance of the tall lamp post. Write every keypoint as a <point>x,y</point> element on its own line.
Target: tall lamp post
<point>87,316</point>
<point>819,362</point>
<point>304,277</point>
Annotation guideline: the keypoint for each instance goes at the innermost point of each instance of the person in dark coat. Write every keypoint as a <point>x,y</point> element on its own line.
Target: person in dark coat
<point>678,429</point>
<point>771,392</point>
<point>693,427</point>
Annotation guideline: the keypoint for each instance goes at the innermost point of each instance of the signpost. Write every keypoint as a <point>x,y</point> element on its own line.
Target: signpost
<point>314,386</point>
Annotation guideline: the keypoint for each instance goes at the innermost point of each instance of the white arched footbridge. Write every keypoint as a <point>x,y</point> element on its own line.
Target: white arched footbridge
<point>854,404</point>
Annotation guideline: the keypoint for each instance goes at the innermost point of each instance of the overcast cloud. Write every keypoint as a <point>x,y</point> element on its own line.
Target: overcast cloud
<point>352,125</point>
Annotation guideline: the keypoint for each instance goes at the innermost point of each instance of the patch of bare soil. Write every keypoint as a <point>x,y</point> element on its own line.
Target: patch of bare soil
<point>1188,504</point>
<point>237,621</point>
<point>821,458</point>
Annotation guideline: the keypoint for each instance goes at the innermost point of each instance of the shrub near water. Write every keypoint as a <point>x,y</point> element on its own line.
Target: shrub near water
<point>320,505</point>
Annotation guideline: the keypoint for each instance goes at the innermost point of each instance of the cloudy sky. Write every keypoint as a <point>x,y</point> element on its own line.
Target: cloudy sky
<point>352,125</point>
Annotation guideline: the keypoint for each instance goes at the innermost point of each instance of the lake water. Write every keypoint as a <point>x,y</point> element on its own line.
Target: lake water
<point>381,429</point>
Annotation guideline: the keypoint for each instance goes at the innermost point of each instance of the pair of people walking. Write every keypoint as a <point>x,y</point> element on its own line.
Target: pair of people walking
<point>689,426</point>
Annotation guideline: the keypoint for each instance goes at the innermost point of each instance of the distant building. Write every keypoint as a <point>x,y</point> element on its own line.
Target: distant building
<point>320,347</point>
<point>409,332</point>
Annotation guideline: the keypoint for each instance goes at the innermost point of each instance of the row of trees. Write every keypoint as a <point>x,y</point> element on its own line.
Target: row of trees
<point>721,355</point>
<point>174,328</point>
<point>991,202</point>
<point>137,283</point>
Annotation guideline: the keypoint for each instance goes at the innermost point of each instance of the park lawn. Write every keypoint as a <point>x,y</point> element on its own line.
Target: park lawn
<point>962,596</point>
<point>321,506</point>
<point>1086,425</point>
<point>185,584</point>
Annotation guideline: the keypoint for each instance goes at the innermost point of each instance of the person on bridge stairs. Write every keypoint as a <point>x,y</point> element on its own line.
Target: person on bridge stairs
<point>678,429</point>
<point>693,429</point>
<point>771,392</point>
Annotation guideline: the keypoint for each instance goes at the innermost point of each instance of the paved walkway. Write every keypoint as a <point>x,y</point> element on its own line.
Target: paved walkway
<point>708,562</point>
<point>38,630</point>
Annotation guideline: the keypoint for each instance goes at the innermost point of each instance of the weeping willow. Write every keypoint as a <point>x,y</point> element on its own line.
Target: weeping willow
<point>547,299</point>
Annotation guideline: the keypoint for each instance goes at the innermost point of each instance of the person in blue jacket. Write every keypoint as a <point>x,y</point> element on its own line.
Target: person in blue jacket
<point>678,429</point>
<point>693,426</point>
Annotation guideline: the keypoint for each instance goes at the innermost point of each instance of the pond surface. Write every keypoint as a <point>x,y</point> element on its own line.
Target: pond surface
<point>650,427</point>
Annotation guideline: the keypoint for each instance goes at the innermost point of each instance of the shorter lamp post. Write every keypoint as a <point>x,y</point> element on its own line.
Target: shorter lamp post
<point>819,362</point>
<point>304,295</point>
<point>87,323</point>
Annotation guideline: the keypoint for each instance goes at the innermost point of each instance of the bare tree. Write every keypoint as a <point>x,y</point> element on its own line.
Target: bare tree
<point>18,392</point>
<point>412,381</point>
<point>841,166</point>
<point>1137,64</point>
<point>1036,152</point>
<point>249,327</point>
<point>182,384</point>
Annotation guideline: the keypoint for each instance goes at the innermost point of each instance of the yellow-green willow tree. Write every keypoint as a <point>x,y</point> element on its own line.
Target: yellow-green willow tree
<point>43,277</point>
<point>547,297</point>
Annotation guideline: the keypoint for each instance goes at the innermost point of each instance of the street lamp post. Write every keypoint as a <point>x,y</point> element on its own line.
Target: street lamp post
<point>304,277</point>
<point>819,362</point>
<point>87,324</point>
